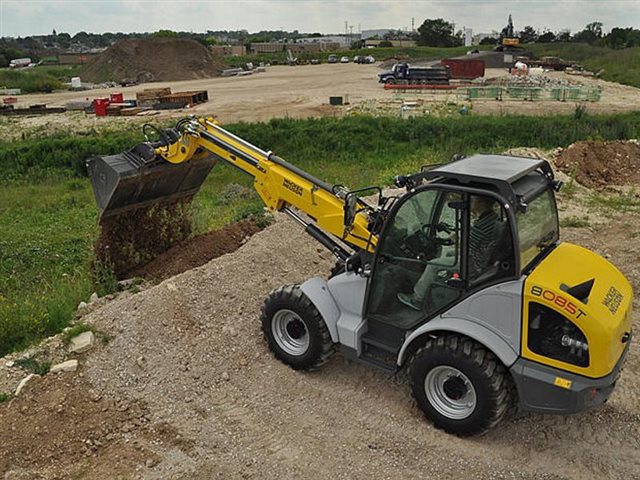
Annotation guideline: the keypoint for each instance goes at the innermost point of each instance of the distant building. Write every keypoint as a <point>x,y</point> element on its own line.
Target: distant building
<point>342,41</point>
<point>468,37</point>
<point>274,47</point>
<point>394,43</point>
<point>229,50</point>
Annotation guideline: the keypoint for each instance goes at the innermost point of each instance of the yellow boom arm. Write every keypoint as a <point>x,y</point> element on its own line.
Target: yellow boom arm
<point>279,184</point>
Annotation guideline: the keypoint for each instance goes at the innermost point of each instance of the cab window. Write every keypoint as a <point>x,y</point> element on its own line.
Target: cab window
<point>537,227</point>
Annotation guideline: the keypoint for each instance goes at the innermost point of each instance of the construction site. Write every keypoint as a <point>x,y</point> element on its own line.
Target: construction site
<point>215,354</point>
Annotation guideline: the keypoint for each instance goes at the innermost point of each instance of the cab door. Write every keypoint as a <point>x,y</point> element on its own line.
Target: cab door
<point>417,264</point>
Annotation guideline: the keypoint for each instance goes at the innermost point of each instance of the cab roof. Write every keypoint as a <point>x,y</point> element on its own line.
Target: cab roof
<point>517,179</point>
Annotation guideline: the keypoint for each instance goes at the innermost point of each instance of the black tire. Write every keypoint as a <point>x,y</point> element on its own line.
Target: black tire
<point>488,398</point>
<point>390,81</point>
<point>294,329</point>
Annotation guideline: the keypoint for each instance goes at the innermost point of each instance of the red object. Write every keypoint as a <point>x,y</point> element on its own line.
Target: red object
<point>117,97</point>
<point>10,100</point>
<point>100,106</point>
<point>389,86</point>
<point>464,69</point>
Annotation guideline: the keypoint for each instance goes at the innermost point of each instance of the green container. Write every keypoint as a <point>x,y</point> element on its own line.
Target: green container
<point>476,93</point>
<point>525,93</point>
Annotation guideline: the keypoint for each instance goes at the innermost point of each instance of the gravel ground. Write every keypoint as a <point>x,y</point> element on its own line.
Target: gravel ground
<point>186,389</point>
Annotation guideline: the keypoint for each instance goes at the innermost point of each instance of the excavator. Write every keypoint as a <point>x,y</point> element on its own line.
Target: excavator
<point>461,280</point>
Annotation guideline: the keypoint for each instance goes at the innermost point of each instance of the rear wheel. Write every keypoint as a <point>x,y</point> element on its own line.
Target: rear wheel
<point>294,329</point>
<point>460,386</point>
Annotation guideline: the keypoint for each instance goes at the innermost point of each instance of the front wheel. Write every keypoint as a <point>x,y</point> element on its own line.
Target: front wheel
<point>460,386</point>
<point>294,329</point>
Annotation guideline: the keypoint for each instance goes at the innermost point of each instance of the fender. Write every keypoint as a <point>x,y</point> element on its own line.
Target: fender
<point>473,330</point>
<point>317,291</point>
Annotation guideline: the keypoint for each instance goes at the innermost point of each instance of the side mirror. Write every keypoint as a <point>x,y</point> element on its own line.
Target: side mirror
<point>349,208</point>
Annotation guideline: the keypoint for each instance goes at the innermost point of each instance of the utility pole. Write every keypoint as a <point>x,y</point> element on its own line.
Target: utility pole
<point>413,24</point>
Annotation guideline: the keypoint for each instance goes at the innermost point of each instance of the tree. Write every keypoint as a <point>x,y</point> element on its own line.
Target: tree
<point>488,41</point>
<point>563,36</point>
<point>437,33</point>
<point>622,38</point>
<point>528,35</point>
<point>546,37</point>
<point>590,34</point>
<point>165,34</point>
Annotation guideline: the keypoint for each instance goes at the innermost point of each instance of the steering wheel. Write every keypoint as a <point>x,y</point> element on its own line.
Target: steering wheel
<point>439,227</point>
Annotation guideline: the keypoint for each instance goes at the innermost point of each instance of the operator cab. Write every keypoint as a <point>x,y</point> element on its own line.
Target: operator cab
<point>461,227</point>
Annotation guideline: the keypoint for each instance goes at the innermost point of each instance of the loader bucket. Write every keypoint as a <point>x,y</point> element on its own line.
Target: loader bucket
<point>126,182</point>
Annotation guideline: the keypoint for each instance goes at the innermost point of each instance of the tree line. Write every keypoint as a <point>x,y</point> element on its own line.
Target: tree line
<point>432,33</point>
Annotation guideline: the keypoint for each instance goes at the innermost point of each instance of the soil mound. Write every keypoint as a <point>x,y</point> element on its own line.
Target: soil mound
<point>153,60</point>
<point>599,164</point>
<point>197,251</point>
<point>136,237</point>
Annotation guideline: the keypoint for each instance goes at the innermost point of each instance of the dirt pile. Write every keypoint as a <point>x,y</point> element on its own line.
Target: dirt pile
<point>134,238</point>
<point>600,164</point>
<point>197,251</point>
<point>153,60</point>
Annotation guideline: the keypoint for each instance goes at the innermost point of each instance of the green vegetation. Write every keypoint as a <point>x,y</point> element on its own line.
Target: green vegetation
<point>622,66</point>
<point>4,397</point>
<point>34,366</point>
<point>48,215</point>
<point>623,202</point>
<point>75,331</point>
<point>29,81</point>
<point>37,79</point>
<point>575,222</point>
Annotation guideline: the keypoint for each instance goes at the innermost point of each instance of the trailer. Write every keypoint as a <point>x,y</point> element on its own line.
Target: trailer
<point>464,69</point>
<point>405,74</point>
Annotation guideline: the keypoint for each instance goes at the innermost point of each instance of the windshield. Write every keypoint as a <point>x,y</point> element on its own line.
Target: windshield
<point>537,228</point>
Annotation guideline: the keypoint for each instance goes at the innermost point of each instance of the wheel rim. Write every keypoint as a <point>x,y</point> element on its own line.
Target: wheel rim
<point>290,332</point>
<point>450,392</point>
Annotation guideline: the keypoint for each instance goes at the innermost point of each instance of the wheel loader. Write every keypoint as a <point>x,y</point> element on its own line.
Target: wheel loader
<point>484,310</point>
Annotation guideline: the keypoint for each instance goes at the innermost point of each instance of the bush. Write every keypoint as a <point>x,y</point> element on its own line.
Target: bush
<point>30,81</point>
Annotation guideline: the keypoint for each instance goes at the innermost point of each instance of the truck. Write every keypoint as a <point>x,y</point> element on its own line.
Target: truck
<point>405,74</point>
<point>460,281</point>
<point>20,62</point>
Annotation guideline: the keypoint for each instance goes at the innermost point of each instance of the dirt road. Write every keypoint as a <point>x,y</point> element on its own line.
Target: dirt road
<point>186,389</point>
<point>298,92</point>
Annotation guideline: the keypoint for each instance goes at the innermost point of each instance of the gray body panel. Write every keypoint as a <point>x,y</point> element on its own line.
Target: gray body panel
<point>538,392</point>
<point>340,301</point>
<point>491,316</point>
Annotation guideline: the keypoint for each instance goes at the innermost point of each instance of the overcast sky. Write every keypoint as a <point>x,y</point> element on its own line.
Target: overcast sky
<point>35,17</point>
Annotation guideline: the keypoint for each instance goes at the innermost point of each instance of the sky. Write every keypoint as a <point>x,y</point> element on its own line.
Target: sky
<point>38,17</point>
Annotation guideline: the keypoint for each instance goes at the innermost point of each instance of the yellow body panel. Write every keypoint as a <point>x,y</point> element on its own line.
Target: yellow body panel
<point>511,42</point>
<point>604,319</point>
<point>278,186</point>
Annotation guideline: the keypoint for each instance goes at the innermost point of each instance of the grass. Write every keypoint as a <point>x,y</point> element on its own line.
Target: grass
<point>37,79</point>
<point>48,215</point>
<point>575,222</point>
<point>34,366</point>
<point>75,331</point>
<point>623,202</point>
<point>4,397</point>
<point>622,66</point>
